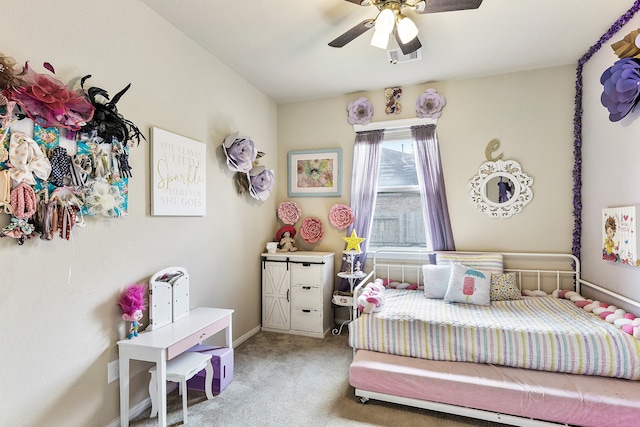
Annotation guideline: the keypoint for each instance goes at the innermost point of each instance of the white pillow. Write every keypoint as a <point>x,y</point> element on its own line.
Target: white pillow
<point>491,262</point>
<point>468,285</point>
<point>436,280</point>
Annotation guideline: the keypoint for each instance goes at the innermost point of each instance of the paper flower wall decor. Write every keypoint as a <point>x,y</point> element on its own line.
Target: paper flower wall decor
<point>240,153</point>
<point>261,181</point>
<point>289,212</point>
<point>353,242</point>
<point>360,111</point>
<point>341,216</point>
<point>629,46</point>
<point>621,88</point>
<point>621,81</point>
<point>430,104</point>
<point>311,230</point>
<point>242,158</point>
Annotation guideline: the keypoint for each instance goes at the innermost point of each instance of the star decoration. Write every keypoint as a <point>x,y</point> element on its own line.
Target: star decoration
<point>353,242</point>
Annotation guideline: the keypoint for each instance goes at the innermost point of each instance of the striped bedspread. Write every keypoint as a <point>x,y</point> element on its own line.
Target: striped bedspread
<point>542,333</point>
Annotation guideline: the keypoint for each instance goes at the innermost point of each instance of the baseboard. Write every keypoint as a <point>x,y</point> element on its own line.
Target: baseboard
<point>246,336</point>
<point>145,404</point>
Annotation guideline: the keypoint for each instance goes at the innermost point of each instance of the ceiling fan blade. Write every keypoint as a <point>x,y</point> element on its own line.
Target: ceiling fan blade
<point>410,47</point>
<point>436,6</point>
<point>359,2</point>
<point>352,33</point>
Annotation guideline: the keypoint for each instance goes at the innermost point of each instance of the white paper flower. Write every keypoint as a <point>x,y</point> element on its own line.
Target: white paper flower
<point>241,153</point>
<point>261,181</point>
<point>430,104</point>
<point>360,111</point>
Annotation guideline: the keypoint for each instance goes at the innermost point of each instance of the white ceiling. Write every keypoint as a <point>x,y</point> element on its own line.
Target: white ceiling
<point>280,46</point>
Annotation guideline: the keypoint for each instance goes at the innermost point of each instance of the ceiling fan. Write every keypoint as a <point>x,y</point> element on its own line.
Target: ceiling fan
<point>391,18</point>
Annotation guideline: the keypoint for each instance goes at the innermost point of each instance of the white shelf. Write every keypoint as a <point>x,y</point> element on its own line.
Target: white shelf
<point>354,275</point>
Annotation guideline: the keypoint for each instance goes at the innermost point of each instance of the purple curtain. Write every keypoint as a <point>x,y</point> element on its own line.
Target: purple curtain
<point>364,187</point>
<point>432,192</point>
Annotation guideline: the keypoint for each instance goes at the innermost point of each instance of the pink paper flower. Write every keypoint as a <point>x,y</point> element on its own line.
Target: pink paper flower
<point>430,104</point>
<point>311,230</point>
<point>289,212</point>
<point>341,216</point>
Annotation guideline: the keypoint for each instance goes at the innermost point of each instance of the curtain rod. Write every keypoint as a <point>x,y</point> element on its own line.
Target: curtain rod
<point>394,124</point>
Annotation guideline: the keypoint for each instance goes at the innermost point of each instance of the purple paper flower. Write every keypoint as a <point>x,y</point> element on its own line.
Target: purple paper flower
<point>621,92</point>
<point>240,152</point>
<point>360,111</point>
<point>261,181</point>
<point>430,104</point>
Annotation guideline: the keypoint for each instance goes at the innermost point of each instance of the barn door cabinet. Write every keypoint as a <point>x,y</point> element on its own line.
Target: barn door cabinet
<point>296,292</point>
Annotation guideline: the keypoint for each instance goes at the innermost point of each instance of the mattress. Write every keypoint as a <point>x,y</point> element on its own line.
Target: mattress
<point>540,333</point>
<point>551,396</point>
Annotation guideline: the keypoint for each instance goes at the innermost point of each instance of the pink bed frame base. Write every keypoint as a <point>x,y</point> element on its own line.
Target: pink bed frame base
<point>500,394</point>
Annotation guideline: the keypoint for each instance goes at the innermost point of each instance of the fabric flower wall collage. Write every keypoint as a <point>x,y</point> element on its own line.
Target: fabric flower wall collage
<point>64,153</point>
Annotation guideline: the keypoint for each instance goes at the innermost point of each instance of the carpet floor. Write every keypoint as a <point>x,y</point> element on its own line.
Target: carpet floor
<point>290,380</point>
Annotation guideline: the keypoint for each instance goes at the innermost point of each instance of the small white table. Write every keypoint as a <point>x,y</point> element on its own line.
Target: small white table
<point>164,344</point>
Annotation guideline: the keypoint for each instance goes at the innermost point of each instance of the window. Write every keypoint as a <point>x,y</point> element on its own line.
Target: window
<point>397,218</point>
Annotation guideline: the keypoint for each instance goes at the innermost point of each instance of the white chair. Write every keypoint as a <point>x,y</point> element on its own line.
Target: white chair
<point>179,370</point>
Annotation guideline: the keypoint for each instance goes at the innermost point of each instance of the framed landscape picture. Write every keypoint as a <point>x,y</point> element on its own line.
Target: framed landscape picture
<point>315,173</point>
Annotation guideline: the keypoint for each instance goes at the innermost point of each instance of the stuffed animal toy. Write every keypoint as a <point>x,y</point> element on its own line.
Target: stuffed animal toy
<point>132,304</point>
<point>372,297</point>
<point>285,238</point>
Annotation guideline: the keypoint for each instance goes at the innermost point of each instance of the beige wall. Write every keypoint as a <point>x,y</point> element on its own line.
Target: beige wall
<point>530,113</point>
<point>60,321</point>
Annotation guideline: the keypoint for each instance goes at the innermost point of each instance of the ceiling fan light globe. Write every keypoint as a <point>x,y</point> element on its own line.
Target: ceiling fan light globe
<point>407,30</point>
<point>380,39</point>
<point>385,21</point>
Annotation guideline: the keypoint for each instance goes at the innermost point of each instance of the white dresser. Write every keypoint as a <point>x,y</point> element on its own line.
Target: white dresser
<point>296,292</point>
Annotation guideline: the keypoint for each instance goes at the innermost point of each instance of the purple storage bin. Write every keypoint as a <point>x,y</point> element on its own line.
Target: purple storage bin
<point>222,362</point>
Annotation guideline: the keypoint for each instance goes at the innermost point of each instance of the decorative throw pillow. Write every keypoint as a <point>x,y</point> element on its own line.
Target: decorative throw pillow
<point>436,280</point>
<point>491,262</point>
<point>504,286</point>
<point>468,285</point>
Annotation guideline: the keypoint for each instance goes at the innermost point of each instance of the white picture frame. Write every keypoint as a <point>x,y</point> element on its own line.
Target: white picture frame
<point>178,175</point>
